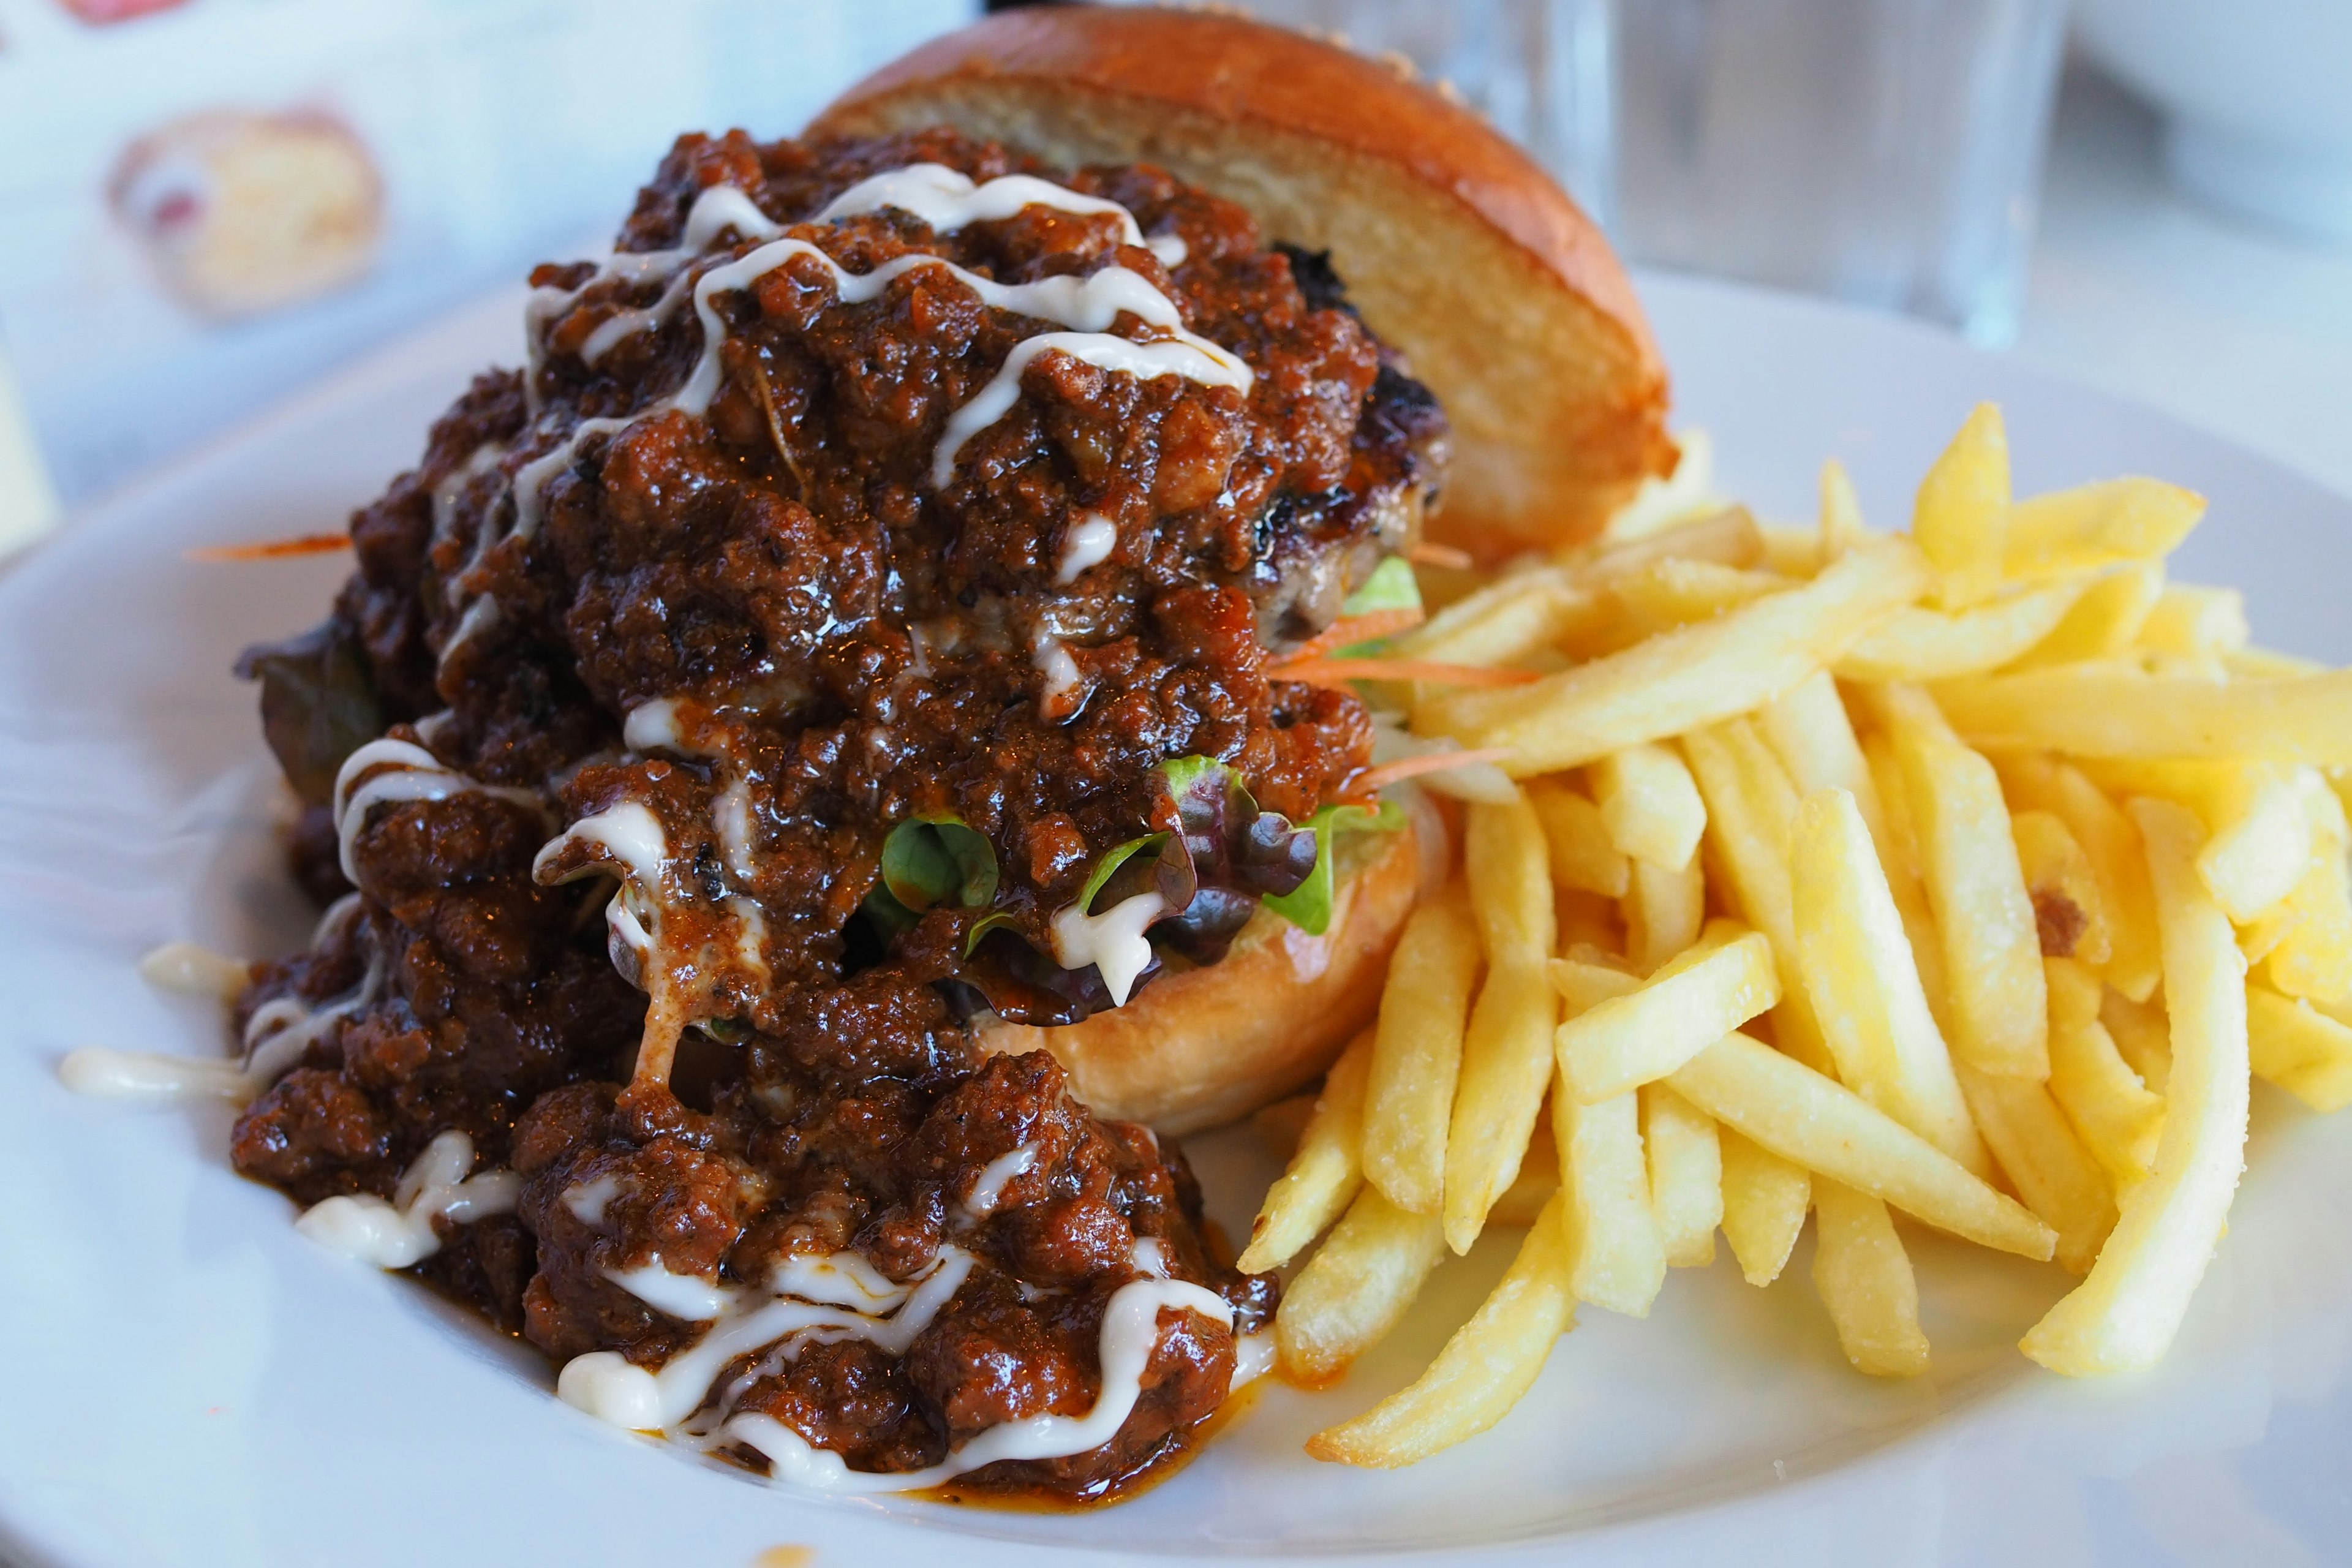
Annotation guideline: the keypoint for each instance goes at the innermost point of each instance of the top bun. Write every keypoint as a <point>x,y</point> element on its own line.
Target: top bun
<point>1456,246</point>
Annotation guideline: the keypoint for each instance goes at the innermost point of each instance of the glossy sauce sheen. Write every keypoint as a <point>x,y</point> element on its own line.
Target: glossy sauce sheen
<point>868,480</point>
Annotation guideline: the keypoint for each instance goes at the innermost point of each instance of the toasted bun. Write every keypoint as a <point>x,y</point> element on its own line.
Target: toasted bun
<point>1205,1046</point>
<point>1456,246</point>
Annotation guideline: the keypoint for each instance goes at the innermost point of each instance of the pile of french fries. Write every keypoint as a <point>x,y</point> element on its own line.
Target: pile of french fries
<point>1967,874</point>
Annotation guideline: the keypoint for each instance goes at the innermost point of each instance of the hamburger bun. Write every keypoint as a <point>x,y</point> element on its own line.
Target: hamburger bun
<point>1204,1046</point>
<point>1457,248</point>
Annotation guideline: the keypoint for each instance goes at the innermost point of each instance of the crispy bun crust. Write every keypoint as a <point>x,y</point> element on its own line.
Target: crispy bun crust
<point>1206,1045</point>
<point>1456,246</point>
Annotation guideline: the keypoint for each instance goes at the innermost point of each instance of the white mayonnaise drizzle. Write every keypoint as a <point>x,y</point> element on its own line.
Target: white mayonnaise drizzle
<point>386,772</point>
<point>1112,941</point>
<point>653,727</point>
<point>947,200</point>
<point>988,1187</point>
<point>605,1386</point>
<point>275,1037</point>
<point>1194,358</point>
<point>396,1233</point>
<point>1091,539</point>
<point>589,1199</point>
<point>1131,1328</point>
<point>689,1297</point>
<point>629,833</point>
<point>1065,684</point>
<point>1253,1357</point>
<point>732,818</point>
<point>195,970</point>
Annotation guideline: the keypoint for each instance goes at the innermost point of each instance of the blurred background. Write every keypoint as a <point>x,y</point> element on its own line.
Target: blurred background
<point>207,203</point>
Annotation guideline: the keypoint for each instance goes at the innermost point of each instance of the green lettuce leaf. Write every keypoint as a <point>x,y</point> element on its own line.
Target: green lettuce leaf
<point>1392,586</point>
<point>930,861</point>
<point>1309,905</point>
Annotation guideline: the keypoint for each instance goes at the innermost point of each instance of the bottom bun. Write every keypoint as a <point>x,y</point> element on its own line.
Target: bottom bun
<point>1205,1046</point>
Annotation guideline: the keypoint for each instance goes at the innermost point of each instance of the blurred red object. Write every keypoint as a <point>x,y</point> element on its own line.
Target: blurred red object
<point>99,13</point>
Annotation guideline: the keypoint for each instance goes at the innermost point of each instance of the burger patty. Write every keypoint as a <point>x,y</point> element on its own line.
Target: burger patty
<point>759,562</point>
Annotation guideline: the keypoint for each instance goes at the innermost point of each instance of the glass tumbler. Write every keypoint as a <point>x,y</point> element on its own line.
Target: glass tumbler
<point>1884,152</point>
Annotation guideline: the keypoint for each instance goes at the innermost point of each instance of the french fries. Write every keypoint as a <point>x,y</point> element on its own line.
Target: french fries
<point>1694,676</point>
<point>1640,1038</point>
<point>1856,963</point>
<point>1764,1202</point>
<point>1961,518</point>
<point>1797,1113</point>
<point>1355,1289</point>
<point>1866,1280</point>
<point>1325,1172</point>
<point>1506,1050</point>
<point>1482,1372</point>
<point>1650,805</point>
<point>1417,1052</point>
<point>1685,1175</point>
<point>1967,856</point>
<point>2126,1313</point>
<point>1842,874</point>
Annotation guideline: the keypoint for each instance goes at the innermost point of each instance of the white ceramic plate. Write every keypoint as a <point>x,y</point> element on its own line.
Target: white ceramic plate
<point>185,1381</point>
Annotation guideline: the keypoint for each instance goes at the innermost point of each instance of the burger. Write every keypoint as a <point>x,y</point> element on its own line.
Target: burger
<point>811,775</point>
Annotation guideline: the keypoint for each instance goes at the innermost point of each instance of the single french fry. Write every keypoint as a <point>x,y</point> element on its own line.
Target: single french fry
<point>2096,525</point>
<point>1675,593</point>
<point>2118,864</point>
<point>2113,1110</point>
<point>1650,805</point>
<point>2197,622</point>
<point>1507,1047</point>
<point>2299,1049</point>
<point>2070,918</point>
<point>1617,1256</point>
<point>1685,679</point>
<point>1417,1052</point>
<point>2125,1313</point>
<point>1693,1002</point>
<point>2312,955</point>
<point>1324,1173</point>
<point>1865,991</point>
<point>2103,711</point>
<point>1864,1279</point>
<point>1355,1289</point>
<point>1791,550</point>
<point>1843,527</point>
<point>1803,1116</point>
<point>1992,949</point>
<point>1582,853</point>
<point>2142,1034</point>
<point>2261,840</point>
<point>1752,810</point>
<point>1685,1175</point>
<point>1506,621</point>
<point>1707,530</point>
<point>1916,644</point>
<point>1532,1188</point>
<point>1961,518</point>
<point>1808,729</point>
<point>1485,1368</point>
<point>2046,1162</point>
<point>1662,911</point>
<point>1764,1202</point>
<point>2104,622</point>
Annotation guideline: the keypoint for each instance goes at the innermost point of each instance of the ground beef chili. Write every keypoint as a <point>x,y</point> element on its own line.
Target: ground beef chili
<point>717,646</point>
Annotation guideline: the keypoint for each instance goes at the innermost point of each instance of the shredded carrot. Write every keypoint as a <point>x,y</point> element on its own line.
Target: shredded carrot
<point>1373,780</point>
<point>1352,629</point>
<point>273,549</point>
<point>1443,555</point>
<point>1339,671</point>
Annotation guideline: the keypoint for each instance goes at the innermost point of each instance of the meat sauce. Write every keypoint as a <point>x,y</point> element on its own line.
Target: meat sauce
<point>703,773</point>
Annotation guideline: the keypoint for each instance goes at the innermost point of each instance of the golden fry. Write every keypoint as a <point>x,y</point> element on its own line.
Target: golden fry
<point>2118,864</point>
<point>1582,853</point>
<point>1864,1278</point>
<point>1686,1161</point>
<point>1355,1289</point>
<point>1916,644</point>
<point>2096,525</point>
<point>1417,1052</point>
<point>1507,1047</point>
<point>1961,518</point>
<point>1693,1002</point>
<point>1324,1173</point>
<point>1485,1368</point>
<point>2107,711</point>
<point>1764,1202</point>
<point>1688,678</point>
<point>2198,623</point>
<point>1650,805</point>
<point>1617,1258</point>
<point>2126,1313</point>
<point>1662,913</point>
<point>2299,1049</point>
<point>2044,1162</point>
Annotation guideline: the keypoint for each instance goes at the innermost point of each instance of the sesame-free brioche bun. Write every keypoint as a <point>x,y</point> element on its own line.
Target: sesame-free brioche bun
<point>1204,1046</point>
<point>1456,246</point>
